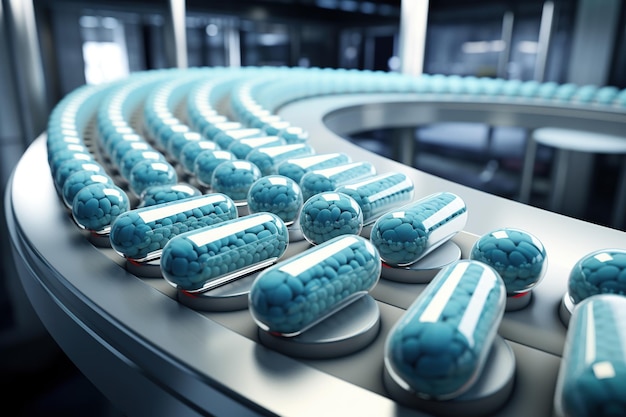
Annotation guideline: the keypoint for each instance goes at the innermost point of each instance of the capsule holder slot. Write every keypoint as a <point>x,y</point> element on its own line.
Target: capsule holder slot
<point>518,301</point>
<point>148,269</point>
<point>230,296</point>
<point>566,309</point>
<point>424,270</point>
<point>348,330</point>
<point>489,393</point>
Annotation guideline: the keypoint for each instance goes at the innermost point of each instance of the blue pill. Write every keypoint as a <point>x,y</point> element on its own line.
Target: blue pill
<point>242,147</point>
<point>405,235</point>
<point>225,138</point>
<point>135,156</point>
<point>268,158</point>
<point>600,272</point>
<point>276,194</point>
<point>294,295</point>
<point>166,193</point>
<point>379,194</point>
<point>213,255</point>
<point>329,179</point>
<point>234,178</point>
<point>71,166</point>
<point>142,233</point>
<point>440,344</point>
<point>328,215</point>
<point>592,374</point>
<point>519,257</point>
<point>79,179</point>
<point>206,162</point>
<point>295,168</point>
<point>148,173</point>
<point>191,150</point>
<point>96,206</point>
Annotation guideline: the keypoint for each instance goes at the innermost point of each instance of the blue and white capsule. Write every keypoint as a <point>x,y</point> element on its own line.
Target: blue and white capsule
<point>329,179</point>
<point>592,375</point>
<point>438,348</point>
<point>294,295</point>
<point>141,234</point>
<point>214,255</point>
<point>405,235</point>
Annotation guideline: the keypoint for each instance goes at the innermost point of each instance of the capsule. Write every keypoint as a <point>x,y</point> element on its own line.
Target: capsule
<point>329,214</point>
<point>79,179</point>
<point>234,178</point>
<point>295,168</point>
<point>600,272</point>
<point>148,173</point>
<point>268,158</point>
<point>135,156</point>
<point>405,235</point>
<point>96,206</point>
<point>592,375</point>
<point>207,161</point>
<point>242,147</point>
<point>329,179</point>
<point>439,346</point>
<point>379,194</point>
<point>225,138</point>
<point>201,259</point>
<point>159,194</point>
<point>191,150</point>
<point>294,295</point>
<point>516,255</point>
<point>141,234</point>
<point>71,166</point>
<point>276,194</point>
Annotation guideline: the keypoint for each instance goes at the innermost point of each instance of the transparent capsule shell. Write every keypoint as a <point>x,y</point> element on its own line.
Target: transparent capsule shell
<point>592,375</point>
<point>600,272</point>
<point>294,295</point>
<point>295,168</point>
<point>276,194</point>
<point>96,206</point>
<point>329,179</point>
<point>328,215</point>
<point>406,234</point>
<point>202,259</point>
<point>159,194</point>
<point>518,256</point>
<point>141,234</point>
<point>438,348</point>
<point>234,178</point>
<point>268,158</point>
<point>379,194</point>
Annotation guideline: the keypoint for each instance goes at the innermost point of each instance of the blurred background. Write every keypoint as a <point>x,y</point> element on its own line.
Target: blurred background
<point>48,48</point>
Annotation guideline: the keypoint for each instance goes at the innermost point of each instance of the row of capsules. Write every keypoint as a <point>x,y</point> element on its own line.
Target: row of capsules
<point>435,334</point>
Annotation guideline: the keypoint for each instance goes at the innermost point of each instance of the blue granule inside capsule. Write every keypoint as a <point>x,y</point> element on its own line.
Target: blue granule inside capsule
<point>96,206</point>
<point>602,272</point>
<point>292,168</point>
<point>135,156</point>
<point>278,195</point>
<point>288,304</point>
<point>178,141</point>
<point>518,257</point>
<point>191,267</point>
<point>402,240</point>
<point>267,164</point>
<point>191,150</point>
<point>437,358</point>
<point>159,194</point>
<point>583,392</point>
<point>63,155</point>
<point>149,173</point>
<point>78,180</point>
<point>71,166</point>
<point>135,239</point>
<point>242,148</point>
<point>328,215</point>
<point>314,182</point>
<point>234,178</point>
<point>374,207</point>
<point>207,161</point>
